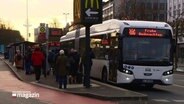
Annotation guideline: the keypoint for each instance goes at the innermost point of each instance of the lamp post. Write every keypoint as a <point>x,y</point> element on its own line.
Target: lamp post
<point>27,25</point>
<point>66,14</point>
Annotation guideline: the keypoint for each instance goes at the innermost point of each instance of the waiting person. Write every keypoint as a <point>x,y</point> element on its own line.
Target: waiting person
<point>44,69</point>
<point>18,60</point>
<point>51,60</point>
<point>37,62</point>
<point>27,59</point>
<point>61,66</point>
<point>75,65</point>
<point>71,66</point>
<point>86,81</point>
<point>55,70</point>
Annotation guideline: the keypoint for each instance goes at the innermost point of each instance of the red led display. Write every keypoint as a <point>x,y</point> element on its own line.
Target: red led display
<point>55,32</point>
<point>146,32</point>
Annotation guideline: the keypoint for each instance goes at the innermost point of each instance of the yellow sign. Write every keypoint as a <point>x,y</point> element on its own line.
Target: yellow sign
<point>77,9</point>
<point>91,4</point>
<point>42,29</point>
<point>87,11</point>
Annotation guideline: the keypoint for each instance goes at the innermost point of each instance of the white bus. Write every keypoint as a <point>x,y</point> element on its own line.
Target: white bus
<point>137,52</point>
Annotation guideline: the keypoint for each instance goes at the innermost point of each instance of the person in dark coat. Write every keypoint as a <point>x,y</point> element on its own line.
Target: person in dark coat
<point>75,65</point>
<point>51,60</point>
<point>27,59</point>
<point>55,71</point>
<point>86,81</point>
<point>61,66</point>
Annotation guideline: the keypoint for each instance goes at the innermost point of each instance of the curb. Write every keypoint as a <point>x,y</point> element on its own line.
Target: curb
<point>17,75</point>
<point>86,94</point>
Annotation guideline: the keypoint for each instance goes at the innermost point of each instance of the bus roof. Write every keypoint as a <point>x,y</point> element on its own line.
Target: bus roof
<point>115,25</point>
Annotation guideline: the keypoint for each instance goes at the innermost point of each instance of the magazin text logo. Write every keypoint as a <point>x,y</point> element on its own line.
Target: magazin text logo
<point>24,94</point>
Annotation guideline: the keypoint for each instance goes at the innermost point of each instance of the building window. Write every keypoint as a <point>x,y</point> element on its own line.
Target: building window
<point>161,17</point>
<point>155,17</point>
<point>155,6</point>
<point>162,6</point>
<point>149,6</point>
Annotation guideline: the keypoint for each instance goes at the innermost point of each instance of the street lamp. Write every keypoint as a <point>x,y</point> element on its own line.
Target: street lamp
<point>66,14</point>
<point>27,25</point>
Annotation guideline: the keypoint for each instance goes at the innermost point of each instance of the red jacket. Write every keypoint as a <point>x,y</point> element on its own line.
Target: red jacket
<point>37,58</point>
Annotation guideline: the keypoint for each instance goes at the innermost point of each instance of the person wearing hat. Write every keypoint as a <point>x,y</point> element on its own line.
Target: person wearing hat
<point>61,67</point>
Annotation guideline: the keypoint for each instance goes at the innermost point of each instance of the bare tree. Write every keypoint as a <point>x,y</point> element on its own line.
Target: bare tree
<point>119,9</point>
<point>5,25</point>
<point>55,23</point>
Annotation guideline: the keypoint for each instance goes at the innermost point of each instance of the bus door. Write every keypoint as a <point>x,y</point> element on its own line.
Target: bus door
<point>113,65</point>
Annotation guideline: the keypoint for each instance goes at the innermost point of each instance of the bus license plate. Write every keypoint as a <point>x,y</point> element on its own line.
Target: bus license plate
<point>147,81</point>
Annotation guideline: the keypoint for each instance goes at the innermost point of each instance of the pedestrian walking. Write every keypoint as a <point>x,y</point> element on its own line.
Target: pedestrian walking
<point>61,66</point>
<point>37,61</point>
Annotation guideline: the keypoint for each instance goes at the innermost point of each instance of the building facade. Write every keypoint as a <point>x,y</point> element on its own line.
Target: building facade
<point>108,10</point>
<point>176,16</point>
<point>175,9</point>
<point>153,10</point>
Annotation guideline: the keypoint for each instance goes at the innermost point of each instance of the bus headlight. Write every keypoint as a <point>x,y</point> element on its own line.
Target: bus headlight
<point>168,72</point>
<point>126,71</point>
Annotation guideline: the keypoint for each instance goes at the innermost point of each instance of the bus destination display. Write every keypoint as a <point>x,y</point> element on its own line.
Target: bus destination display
<point>146,32</point>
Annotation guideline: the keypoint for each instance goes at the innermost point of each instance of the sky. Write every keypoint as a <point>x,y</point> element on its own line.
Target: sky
<point>14,13</point>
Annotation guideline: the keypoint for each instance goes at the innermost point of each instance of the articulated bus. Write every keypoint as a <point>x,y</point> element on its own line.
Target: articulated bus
<point>128,51</point>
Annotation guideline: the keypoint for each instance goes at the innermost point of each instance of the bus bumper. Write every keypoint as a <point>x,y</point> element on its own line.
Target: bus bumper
<point>124,78</point>
<point>167,80</point>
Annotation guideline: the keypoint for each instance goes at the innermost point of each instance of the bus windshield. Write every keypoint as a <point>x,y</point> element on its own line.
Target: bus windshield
<point>146,49</point>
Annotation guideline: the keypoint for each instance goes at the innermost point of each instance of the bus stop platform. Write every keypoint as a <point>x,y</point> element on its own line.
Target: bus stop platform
<point>97,90</point>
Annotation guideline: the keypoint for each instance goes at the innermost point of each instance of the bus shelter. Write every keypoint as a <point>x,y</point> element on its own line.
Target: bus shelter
<point>22,46</point>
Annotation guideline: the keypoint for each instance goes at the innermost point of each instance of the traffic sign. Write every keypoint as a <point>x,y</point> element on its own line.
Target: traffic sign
<point>87,11</point>
<point>42,28</point>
